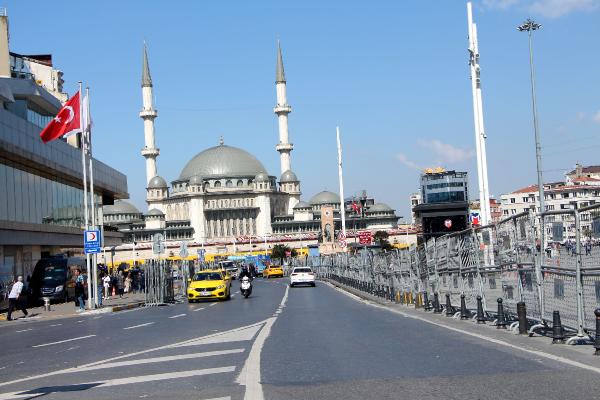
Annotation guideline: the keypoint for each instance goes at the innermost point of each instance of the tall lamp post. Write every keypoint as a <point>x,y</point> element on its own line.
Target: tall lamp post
<point>530,26</point>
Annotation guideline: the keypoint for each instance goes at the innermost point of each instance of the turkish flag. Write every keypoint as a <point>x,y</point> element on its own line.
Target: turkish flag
<point>66,122</point>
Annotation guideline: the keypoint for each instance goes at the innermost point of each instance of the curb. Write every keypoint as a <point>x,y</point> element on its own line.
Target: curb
<point>128,306</point>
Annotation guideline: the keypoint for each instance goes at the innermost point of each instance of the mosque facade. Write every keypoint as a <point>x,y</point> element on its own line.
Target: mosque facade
<point>224,192</point>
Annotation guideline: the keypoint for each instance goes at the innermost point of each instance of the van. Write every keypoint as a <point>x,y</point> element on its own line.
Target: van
<point>53,278</point>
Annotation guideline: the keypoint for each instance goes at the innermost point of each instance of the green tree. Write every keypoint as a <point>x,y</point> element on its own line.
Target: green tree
<point>279,251</point>
<point>381,237</point>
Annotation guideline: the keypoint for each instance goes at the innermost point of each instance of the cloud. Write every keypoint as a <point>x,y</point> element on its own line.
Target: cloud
<point>501,4</point>
<point>445,152</point>
<point>580,116</point>
<point>597,117</point>
<point>558,8</point>
<point>404,160</point>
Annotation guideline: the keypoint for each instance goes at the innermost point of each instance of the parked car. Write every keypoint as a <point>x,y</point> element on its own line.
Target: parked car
<point>53,278</point>
<point>302,276</point>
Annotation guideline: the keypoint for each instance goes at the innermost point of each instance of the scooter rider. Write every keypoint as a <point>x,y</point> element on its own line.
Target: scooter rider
<point>245,272</point>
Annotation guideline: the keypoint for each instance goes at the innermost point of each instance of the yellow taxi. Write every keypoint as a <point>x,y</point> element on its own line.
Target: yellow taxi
<point>209,285</point>
<point>273,271</point>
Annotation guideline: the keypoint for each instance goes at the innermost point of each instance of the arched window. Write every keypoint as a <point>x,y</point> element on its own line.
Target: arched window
<point>228,184</point>
<point>217,184</point>
<point>240,183</point>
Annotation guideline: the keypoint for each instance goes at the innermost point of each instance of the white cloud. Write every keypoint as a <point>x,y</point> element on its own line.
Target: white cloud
<point>404,160</point>
<point>447,153</point>
<point>501,4</point>
<point>597,117</point>
<point>558,8</point>
<point>580,116</point>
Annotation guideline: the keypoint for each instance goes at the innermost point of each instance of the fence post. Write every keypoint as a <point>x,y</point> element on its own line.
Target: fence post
<point>501,323</point>
<point>597,341</point>
<point>579,288</point>
<point>522,315</point>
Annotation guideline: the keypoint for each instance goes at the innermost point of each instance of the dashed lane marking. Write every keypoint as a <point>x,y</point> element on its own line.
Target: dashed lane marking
<point>177,316</point>
<point>212,304</point>
<point>55,325</point>
<point>198,309</point>
<point>63,341</point>
<point>24,330</point>
<point>220,398</point>
<point>138,326</point>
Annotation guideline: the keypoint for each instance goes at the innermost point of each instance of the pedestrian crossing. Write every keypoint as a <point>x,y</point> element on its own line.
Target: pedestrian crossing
<point>202,368</point>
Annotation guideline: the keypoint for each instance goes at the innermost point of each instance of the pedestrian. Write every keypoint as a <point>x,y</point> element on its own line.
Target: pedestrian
<point>14,300</point>
<point>106,284</point>
<point>588,248</point>
<point>79,290</point>
<point>128,283</point>
<point>120,284</point>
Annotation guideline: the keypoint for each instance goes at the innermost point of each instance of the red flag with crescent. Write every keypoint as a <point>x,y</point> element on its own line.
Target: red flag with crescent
<point>66,122</point>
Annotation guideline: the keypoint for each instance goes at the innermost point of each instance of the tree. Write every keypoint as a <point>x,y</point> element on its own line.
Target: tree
<point>280,251</point>
<point>381,237</point>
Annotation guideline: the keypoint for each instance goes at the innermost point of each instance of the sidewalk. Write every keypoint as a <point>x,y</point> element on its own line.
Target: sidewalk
<point>62,310</point>
<point>581,356</point>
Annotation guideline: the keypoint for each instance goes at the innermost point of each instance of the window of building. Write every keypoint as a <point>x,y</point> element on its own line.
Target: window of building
<point>526,199</point>
<point>240,183</point>
<point>513,200</point>
<point>217,184</point>
<point>228,184</point>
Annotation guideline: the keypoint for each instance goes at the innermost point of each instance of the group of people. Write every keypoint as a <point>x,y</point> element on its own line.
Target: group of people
<point>120,283</point>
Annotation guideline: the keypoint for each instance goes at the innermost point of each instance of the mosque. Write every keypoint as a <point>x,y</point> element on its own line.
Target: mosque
<point>225,194</point>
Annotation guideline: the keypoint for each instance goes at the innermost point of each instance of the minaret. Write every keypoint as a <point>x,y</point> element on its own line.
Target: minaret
<point>282,109</point>
<point>148,113</point>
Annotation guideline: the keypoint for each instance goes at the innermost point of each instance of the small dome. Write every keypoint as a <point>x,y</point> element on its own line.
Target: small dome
<point>120,207</point>
<point>380,207</point>
<point>157,183</point>
<point>288,176</point>
<point>302,204</point>
<point>261,177</point>
<point>155,212</point>
<point>195,180</point>
<point>325,197</point>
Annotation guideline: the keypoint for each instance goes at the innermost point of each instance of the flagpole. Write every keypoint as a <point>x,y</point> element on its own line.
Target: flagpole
<point>94,272</point>
<point>342,205</point>
<point>85,198</point>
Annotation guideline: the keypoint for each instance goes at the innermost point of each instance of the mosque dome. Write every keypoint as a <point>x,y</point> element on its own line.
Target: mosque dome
<point>120,207</point>
<point>157,183</point>
<point>325,197</point>
<point>380,207</point>
<point>261,177</point>
<point>155,212</point>
<point>288,176</point>
<point>222,161</point>
<point>195,180</point>
<point>302,204</point>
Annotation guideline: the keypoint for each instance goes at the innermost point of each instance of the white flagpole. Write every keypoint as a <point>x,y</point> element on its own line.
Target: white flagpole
<point>342,205</point>
<point>94,272</point>
<point>85,198</point>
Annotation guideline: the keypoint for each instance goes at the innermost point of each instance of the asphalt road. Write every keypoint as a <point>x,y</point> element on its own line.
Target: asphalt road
<point>300,343</point>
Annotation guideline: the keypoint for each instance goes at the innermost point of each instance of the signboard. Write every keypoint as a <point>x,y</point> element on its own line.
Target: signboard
<point>365,237</point>
<point>158,244</point>
<point>183,250</point>
<point>448,223</point>
<point>475,218</point>
<point>200,253</point>
<point>557,231</point>
<point>91,241</point>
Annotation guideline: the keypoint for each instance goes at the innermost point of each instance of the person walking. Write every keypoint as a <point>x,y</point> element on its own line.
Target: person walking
<point>106,284</point>
<point>128,283</point>
<point>14,301</point>
<point>79,290</point>
<point>120,284</point>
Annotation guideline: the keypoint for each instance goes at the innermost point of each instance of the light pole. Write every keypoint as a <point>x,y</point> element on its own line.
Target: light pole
<point>529,26</point>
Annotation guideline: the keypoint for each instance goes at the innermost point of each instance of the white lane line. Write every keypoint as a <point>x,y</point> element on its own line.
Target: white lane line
<point>482,337</point>
<point>162,359</point>
<point>125,381</point>
<point>138,326</point>
<point>55,325</point>
<point>198,309</point>
<point>177,316</point>
<point>250,375</point>
<point>212,304</point>
<point>63,341</point>
<point>24,330</point>
<point>220,398</point>
<point>232,296</point>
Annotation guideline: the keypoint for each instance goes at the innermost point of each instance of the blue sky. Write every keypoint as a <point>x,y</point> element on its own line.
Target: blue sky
<point>392,74</point>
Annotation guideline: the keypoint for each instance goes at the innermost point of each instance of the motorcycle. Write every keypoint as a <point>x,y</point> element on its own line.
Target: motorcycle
<point>246,287</point>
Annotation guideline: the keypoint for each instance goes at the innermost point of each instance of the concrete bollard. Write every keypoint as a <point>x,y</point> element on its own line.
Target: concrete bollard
<point>501,322</point>
<point>558,333</point>
<point>522,315</point>
<point>463,307</point>
<point>480,316</point>
<point>437,309</point>
<point>597,338</point>
<point>47,306</point>
<point>449,312</point>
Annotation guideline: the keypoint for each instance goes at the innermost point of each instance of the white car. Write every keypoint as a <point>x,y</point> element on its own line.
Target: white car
<point>302,276</point>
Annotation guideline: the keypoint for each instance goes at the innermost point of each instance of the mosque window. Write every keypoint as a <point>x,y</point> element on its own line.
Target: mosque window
<point>240,183</point>
<point>229,184</point>
<point>217,184</point>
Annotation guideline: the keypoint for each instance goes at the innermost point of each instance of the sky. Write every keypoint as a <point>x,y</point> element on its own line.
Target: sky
<point>392,74</point>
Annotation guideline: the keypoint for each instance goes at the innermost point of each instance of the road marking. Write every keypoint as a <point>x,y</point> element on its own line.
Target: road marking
<point>220,398</point>
<point>138,326</point>
<point>162,359</point>
<point>198,309</point>
<point>121,381</point>
<point>177,316</point>
<point>482,337</point>
<point>250,375</point>
<point>63,341</point>
<point>24,330</point>
<point>212,304</point>
<point>237,335</point>
<point>56,325</point>
<point>232,296</point>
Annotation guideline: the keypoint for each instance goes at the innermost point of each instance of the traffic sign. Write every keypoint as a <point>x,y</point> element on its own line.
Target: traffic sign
<point>365,237</point>
<point>200,253</point>
<point>183,250</point>
<point>158,243</point>
<point>91,241</point>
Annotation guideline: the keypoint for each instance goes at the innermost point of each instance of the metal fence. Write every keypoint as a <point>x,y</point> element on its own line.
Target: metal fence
<point>522,259</point>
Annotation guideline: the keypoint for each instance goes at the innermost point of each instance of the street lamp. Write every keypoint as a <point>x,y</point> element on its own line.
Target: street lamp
<point>529,26</point>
